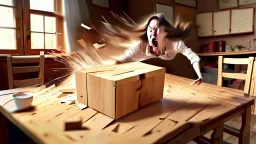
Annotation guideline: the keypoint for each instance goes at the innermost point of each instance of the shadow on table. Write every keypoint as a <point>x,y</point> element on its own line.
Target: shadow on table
<point>164,108</point>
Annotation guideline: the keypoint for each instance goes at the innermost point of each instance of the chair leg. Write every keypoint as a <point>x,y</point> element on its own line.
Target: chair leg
<point>244,137</point>
<point>217,135</point>
<point>4,133</point>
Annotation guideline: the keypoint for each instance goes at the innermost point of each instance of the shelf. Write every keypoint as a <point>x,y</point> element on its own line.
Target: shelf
<point>227,53</point>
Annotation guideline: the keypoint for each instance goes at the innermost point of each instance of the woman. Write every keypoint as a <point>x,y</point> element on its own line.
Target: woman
<point>157,38</point>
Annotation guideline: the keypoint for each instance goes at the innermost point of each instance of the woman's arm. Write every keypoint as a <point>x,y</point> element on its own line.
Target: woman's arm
<point>132,54</point>
<point>196,67</point>
<point>194,60</point>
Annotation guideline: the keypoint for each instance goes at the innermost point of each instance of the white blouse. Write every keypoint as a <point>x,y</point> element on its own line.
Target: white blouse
<point>139,52</point>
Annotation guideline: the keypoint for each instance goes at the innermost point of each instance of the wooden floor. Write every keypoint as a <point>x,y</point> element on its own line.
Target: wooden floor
<point>236,123</point>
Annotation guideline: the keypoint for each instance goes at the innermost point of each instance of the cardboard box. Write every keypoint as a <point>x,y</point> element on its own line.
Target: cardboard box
<point>117,90</point>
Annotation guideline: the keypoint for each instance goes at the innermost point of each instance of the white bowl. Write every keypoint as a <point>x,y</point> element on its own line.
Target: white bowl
<point>23,100</point>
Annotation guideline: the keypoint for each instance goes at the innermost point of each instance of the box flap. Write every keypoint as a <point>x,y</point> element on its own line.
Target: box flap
<point>127,72</point>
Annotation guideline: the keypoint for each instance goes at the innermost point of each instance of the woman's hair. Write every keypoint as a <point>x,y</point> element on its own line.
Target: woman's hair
<point>126,30</point>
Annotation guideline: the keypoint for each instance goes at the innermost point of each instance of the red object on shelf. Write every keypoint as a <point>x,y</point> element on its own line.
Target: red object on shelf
<point>221,46</point>
<point>204,48</point>
<point>212,46</point>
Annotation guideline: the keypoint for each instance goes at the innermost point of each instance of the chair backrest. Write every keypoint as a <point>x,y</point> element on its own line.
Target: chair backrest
<point>25,64</point>
<point>240,76</point>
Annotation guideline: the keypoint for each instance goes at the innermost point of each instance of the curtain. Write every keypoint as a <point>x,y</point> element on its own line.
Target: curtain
<point>76,12</point>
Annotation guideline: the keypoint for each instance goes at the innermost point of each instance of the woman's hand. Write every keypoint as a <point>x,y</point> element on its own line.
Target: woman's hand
<point>198,81</point>
<point>197,70</point>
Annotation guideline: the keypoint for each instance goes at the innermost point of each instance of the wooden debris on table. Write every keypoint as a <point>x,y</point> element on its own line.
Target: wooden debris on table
<point>73,124</point>
<point>80,105</point>
<point>67,90</point>
<point>71,102</point>
<point>69,99</point>
<point>61,94</point>
<point>66,94</point>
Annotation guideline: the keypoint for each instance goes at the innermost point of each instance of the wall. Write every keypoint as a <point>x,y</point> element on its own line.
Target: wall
<point>180,64</point>
<point>83,11</point>
<point>97,15</point>
<point>96,12</point>
<point>212,6</point>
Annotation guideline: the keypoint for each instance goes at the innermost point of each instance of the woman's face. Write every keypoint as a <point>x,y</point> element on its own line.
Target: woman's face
<point>152,31</point>
<point>155,34</point>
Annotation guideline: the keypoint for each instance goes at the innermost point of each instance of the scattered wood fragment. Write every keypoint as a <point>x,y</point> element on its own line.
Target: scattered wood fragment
<point>67,90</point>
<point>71,102</point>
<point>69,99</point>
<point>60,95</point>
<point>98,46</point>
<point>85,26</point>
<point>73,124</point>
<point>80,105</point>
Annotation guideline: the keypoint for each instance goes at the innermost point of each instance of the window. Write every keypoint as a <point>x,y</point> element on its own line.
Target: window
<point>10,27</point>
<point>30,26</point>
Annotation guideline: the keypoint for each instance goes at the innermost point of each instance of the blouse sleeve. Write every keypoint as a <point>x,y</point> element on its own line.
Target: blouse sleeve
<point>192,56</point>
<point>132,54</point>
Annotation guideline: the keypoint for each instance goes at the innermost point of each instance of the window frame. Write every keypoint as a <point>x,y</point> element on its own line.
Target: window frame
<point>59,26</point>
<point>22,17</point>
<point>19,29</point>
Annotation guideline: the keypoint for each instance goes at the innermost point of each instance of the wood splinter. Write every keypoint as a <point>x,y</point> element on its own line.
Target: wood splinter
<point>80,105</point>
<point>99,46</point>
<point>85,26</point>
<point>60,95</point>
<point>69,99</point>
<point>67,90</point>
<point>73,124</point>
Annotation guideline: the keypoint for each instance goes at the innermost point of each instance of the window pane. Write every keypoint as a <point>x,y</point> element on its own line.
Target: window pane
<point>37,40</point>
<point>6,2</point>
<point>44,5</point>
<point>37,23</point>
<point>7,17</point>
<point>50,41</point>
<point>50,24</point>
<point>7,39</point>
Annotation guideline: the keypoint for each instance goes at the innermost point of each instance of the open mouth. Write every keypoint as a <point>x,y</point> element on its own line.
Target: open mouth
<point>154,42</point>
<point>154,47</point>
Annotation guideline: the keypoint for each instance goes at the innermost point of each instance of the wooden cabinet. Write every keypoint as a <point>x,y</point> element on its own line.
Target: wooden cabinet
<point>246,2</point>
<point>242,20</point>
<point>204,23</point>
<point>228,22</point>
<point>221,23</point>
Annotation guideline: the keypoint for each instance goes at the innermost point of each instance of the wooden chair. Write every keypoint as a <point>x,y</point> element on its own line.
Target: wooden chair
<point>241,76</point>
<point>15,65</point>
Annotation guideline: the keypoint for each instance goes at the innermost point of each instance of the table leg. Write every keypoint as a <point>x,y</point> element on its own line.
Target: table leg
<point>244,137</point>
<point>217,135</point>
<point>4,133</point>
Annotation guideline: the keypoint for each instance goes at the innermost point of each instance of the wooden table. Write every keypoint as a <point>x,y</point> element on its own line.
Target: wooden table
<point>185,113</point>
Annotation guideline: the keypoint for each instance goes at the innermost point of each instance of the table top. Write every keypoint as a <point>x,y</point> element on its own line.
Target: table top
<point>185,109</point>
